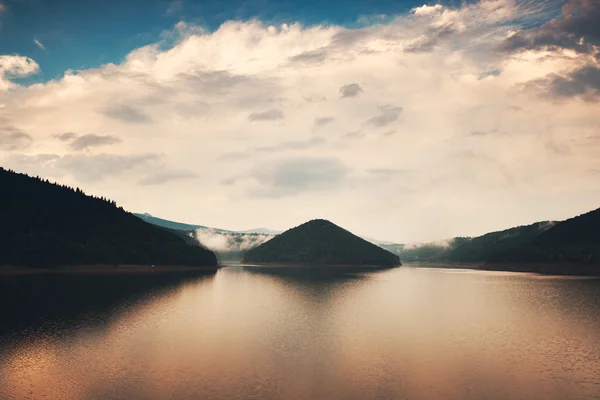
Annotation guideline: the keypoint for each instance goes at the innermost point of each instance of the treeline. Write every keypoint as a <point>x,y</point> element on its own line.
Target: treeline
<point>44,224</point>
<point>320,242</point>
<point>574,243</point>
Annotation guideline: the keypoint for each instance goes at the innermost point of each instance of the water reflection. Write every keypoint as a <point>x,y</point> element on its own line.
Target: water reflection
<point>404,333</point>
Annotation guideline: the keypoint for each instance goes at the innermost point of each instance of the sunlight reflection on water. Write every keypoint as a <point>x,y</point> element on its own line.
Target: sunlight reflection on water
<point>404,333</point>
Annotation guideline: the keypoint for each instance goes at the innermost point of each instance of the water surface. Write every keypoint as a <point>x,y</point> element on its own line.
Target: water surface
<point>407,333</point>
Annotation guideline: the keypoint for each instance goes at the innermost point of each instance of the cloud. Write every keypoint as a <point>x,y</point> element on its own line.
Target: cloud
<point>353,135</point>
<point>313,142</point>
<point>267,115</point>
<point>388,172</point>
<point>2,8</point>
<point>196,98</point>
<point>322,121</point>
<point>387,115</point>
<point>427,10</point>
<point>39,44</point>
<point>169,176</point>
<point>583,82</point>
<point>66,136</point>
<point>577,29</point>
<point>295,176</point>
<point>297,145</point>
<point>15,66</point>
<point>350,90</point>
<point>310,57</point>
<point>126,114</point>
<point>84,168</point>
<point>91,140</point>
<point>430,39</point>
<point>14,139</point>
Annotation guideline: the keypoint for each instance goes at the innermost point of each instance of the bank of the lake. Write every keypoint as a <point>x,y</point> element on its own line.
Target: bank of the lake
<point>546,268</point>
<point>106,270</point>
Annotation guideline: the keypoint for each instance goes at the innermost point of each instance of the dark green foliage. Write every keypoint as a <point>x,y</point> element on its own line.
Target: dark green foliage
<point>44,224</point>
<point>320,242</point>
<point>567,247</point>
<point>496,244</point>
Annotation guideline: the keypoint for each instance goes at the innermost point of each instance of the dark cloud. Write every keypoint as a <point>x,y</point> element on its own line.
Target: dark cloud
<point>388,115</point>
<point>65,137</point>
<point>267,115</point>
<point>126,114</point>
<point>86,141</point>
<point>164,177</point>
<point>311,57</point>
<point>578,29</point>
<point>583,82</point>
<point>14,139</point>
<point>322,121</point>
<point>350,90</point>
<point>389,133</point>
<point>300,175</point>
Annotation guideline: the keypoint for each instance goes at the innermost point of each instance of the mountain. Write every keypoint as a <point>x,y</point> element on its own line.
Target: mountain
<point>165,223</point>
<point>43,224</point>
<point>168,224</point>
<point>564,247</point>
<point>320,242</point>
<point>496,245</point>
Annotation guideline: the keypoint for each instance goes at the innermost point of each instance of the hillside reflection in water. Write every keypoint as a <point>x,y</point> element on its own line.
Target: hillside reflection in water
<point>403,333</point>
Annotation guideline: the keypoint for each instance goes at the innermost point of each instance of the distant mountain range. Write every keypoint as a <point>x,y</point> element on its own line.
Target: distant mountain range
<point>571,246</point>
<point>320,242</point>
<point>190,227</point>
<point>45,225</point>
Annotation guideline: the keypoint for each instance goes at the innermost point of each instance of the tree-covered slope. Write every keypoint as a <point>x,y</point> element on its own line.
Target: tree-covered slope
<point>575,240</point>
<point>44,224</point>
<point>320,242</point>
<point>496,245</point>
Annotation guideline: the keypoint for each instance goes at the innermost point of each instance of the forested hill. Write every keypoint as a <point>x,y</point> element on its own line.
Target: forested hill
<point>43,224</point>
<point>320,242</point>
<point>567,247</point>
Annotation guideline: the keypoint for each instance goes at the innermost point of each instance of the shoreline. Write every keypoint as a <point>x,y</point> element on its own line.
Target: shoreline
<point>102,269</point>
<point>542,268</point>
<point>349,267</point>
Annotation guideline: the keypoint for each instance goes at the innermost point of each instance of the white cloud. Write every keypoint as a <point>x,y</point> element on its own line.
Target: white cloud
<point>14,66</point>
<point>189,121</point>
<point>39,44</point>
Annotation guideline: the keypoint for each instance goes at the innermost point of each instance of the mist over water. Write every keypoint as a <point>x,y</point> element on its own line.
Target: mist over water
<point>225,242</point>
<point>406,333</point>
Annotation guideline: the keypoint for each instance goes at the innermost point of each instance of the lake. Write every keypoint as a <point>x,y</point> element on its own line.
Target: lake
<point>405,333</point>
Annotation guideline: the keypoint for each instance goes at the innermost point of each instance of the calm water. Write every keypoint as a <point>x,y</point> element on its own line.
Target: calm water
<point>407,333</point>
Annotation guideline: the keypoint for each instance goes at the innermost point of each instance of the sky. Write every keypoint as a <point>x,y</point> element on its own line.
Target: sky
<point>397,120</point>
